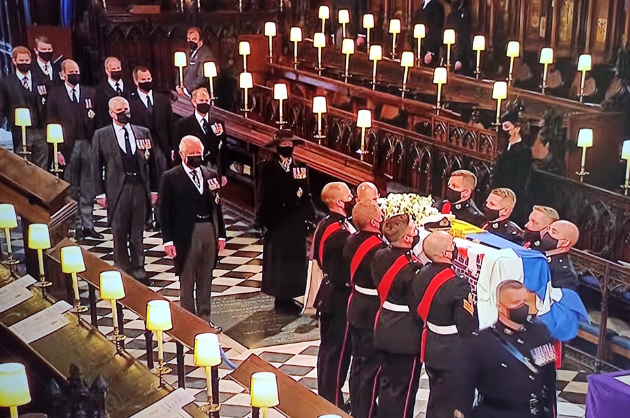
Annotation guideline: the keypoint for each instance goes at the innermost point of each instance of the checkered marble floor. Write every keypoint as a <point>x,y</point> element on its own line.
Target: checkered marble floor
<point>239,271</point>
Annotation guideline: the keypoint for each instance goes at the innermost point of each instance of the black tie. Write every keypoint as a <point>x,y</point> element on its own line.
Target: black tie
<point>25,83</point>
<point>127,142</point>
<point>149,104</point>
<point>195,178</point>
<point>204,126</point>
<point>74,95</point>
<point>118,90</point>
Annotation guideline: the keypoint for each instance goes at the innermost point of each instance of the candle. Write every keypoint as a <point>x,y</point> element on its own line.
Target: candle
<point>324,13</point>
<point>270,32</point>
<point>513,52</point>
<point>585,63</point>
<point>295,36</point>
<point>368,23</point>
<point>449,40</point>
<point>347,48</point>
<point>479,44</point>
<point>499,92</point>
<point>343,16</point>
<point>406,60</point>
<point>180,61</point>
<point>546,58</point>
<point>319,42</point>
<point>376,54</point>
<point>394,29</point>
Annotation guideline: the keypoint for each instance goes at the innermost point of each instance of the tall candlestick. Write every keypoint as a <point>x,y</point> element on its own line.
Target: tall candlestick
<point>499,92</point>
<point>546,58</point>
<point>419,32</point>
<point>449,40</point>
<point>394,29</point>
<point>295,36</point>
<point>479,44</point>
<point>270,32</point>
<point>324,13</point>
<point>319,107</point>
<point>375,55</point>
<point>319,42</point>
<point>513,52</point>
<point>585,63</point>
<point>368,23</point>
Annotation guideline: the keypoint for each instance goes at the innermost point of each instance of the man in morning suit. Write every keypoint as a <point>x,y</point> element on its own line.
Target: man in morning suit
<point>153,110</point>
<point>72,106</point>
<point>333,359</point>
<point>114,86</point>
<point>209,130</point>
<point>122,151</point>
<point>431,13</point>
<point>193,72</point>
<point>192,225</point>
<point>43,65</point>
<point>24,89</point>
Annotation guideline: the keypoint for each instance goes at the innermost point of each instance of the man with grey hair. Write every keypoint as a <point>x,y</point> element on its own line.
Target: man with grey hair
<point>192,225</point>
<point>121,181</point>
<point>113,86</point>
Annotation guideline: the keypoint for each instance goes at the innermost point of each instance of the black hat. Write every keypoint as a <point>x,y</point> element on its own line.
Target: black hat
<point>283,136</point>
<point>439,222</point>
<point>512,116</point>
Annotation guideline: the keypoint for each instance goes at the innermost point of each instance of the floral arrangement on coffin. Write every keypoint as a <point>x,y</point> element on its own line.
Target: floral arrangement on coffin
<point>416,206</point>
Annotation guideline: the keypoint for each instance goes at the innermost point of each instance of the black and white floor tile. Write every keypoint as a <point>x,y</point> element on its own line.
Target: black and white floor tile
<point>239,271</point>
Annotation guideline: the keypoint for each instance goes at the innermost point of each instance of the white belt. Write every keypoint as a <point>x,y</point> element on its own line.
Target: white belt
<point>365,290</point>
<point>443,330</point>
<point>396,308</point>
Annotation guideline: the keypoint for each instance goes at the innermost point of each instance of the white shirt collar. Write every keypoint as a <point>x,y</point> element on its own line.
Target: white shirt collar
<point>42,64</point>
<point>143,96</point>
<point>510,145</point>
<point>199,117</point>
<point>424,4</point>
<point>76,88</point>
<point>197,170</point>
<point>120,136</point>
<point>112,83</point>
<point>20,76</point>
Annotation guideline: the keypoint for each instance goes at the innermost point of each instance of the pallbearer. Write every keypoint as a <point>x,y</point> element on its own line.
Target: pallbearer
<point>284,208</point>
<point>333,359</point>
<point>367,191</point>
<point>461,186</point>
<point>498,209</point>
<point>538,225</point>
<point>445,304</point>
<point>364,303</point>
<point>397,331</point>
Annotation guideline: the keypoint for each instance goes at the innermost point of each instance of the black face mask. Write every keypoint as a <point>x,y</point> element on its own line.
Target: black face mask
<point>531,236</point>
<point>23,68</point>
<point>454,255</point>
<point>45,56</point>
<point>285,152</point>
<point>123,117</point>
<point>192,45</point>
<point>348,206</point>
<point>452,195</point>
<point>146,86</point>
<point>116,75</point>
<point>194,161</point>
<point>519,314</point>
<point>203,108</point>
<point>415,240</point>
<point>490,214</point>
<point>548,243</point>
<point>73,79</point>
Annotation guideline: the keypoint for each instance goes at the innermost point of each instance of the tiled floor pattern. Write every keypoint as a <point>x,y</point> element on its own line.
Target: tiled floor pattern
<point>239,271</point>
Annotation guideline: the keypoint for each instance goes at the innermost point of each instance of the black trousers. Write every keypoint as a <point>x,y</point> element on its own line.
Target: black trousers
<point>333,360</point>
<point>443,395</point>
<point>363,373</point>
<point>399,381</point>
<point>127,224</point>
<point>195,281</point>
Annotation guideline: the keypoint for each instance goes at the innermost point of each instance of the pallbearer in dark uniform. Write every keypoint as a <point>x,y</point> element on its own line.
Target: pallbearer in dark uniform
<point>72,106</point>
<point>511,364</point>
<point>122,151</point>
<point>363,305</point>
<point>498,209</point>
<point>333,359</point>
<point>25,89</point>
<point>284,209</point>
<point>114,86</point>
<point>461,186</point>
<point>539,221</point>
<point>397,330</point>
<point>556,244</point>
<point>192,225</point>
<point>445,305</point>
<point>211,132</point>
<point>431,13</point>
<point>460,20</point>
<point>367,191</point>
<point>43,64</point>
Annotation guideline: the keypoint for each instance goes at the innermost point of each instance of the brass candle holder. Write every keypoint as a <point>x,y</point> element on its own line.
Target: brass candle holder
<point>112,289</point>
<point>368,24</point>
<point>625,155</point>
<point>343,17</point>
<point>584,141</point>
<point>246,82</point>
<point>406,60</point>
<point>23,120</point>
<point>513,52</point>
<point>499,92</point>
<point>394,29</point>
<point>585,64</point>
<point>440,77</point>
<point>375,55</point>
<point>347,48</point>
<point>158,321</point>
<point>280,94</point>
<point>8,221</point>
<point>319,107</point>
<point>319,42</point>
<point>39,240</point>
<point>55,136</point>
<point>546,58</point>
<point>207,354</point>
<point>449,41</point>
<point>364,121</point>
<point>270,32</point>
<point>295,36</point>
<point>210,71</point>
<point>181,60</point>
<point>479,44</point>
<point>419,33</point>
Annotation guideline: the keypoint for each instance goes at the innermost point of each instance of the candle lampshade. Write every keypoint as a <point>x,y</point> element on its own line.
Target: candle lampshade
<point>440,75</point>
<point>368,21</point>
<point>159,315</point>
<point>319,40</point>
<point>209,69</point>
<point>343,16</point>
<point>625,150</point>
<point>72,260</point>
<point>244,48</point>
<point>376,53</point>
<point>246,81</point>
<point>38,237</point>
<point>112,285</point>
<point>295,34</point>
<point>54,133</point>
<point>449,36</point>
<point>364,118</point>
<point>585,63</point>
<point>319,105</point>
<point>585,138</point>
<point>394,26</point>
<point>407,59</point>
<point>546,56</point>
<point>280,91</point>
<point>180,59</point>
<point>207,350</point>
<point>8,218</point>
<point>264,390</point>
<point>14,390</point>
<point>270,29</point>
<point>479,43</point>
<point>22,117</point>
<point>419,31</point>
<point>324,12</point>
<point>347,46</point>
<point>513,49</point>
<point>499,90</point>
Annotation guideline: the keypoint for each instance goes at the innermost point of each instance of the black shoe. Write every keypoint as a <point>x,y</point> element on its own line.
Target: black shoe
<point>78,235</point>
<point>141,276</point>
<point>91,233</point>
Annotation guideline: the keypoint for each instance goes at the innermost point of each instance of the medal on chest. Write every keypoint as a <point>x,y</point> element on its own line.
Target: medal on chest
<point>213,184</point>
<point>299,173</point>
<point>145,145</point>
<point>543,355</point>
<point>217,128</point>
